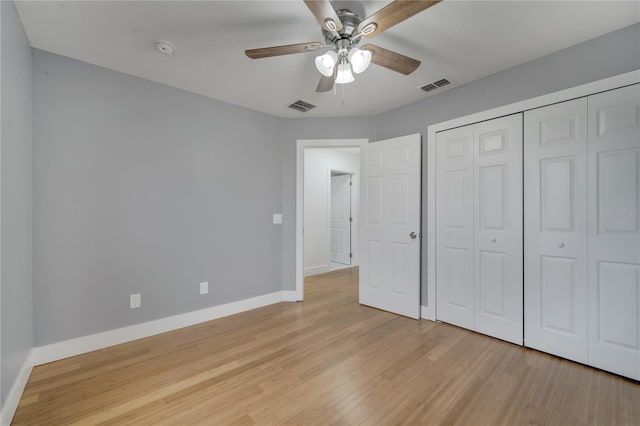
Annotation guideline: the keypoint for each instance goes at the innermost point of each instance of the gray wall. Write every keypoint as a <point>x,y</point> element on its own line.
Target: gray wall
<point>142,188</point>
<point>614,53</point>
<point>16,147</point>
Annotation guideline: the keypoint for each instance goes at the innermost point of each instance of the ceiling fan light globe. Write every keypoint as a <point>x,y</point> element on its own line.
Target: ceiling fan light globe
<point>325,63</point>
<point>360,59</point>
<point>344,74</point>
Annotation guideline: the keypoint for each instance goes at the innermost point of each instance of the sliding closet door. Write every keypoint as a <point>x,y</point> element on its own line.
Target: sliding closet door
<point>555,205</point>
<point>614,231</point>
<point>498,228</point>
<point>454,226</point>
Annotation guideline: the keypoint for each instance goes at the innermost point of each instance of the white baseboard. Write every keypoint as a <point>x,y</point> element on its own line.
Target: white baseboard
<point>289,296</point>
<point>313,270</point>
<point>427,312</point>
<point>81,345</point>
<point>13,398</point>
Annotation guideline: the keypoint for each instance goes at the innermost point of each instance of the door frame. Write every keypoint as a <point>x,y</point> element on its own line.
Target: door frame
<point>301,145</point>
<point>609,83</point>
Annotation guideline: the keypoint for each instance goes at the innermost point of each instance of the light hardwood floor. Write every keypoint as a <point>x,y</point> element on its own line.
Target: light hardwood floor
<point>327,360</point>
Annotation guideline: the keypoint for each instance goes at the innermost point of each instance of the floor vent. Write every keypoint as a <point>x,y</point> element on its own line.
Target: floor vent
<point>301,106</point>
<point>436,85</point>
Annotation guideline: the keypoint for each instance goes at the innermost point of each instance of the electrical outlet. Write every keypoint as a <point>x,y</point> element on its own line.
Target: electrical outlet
<point>277,218</point>
<point>135,301</point>
<point>204,288</point>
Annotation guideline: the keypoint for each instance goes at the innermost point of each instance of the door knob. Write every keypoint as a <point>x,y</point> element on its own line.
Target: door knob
<point>493,240</point>
<point>560,245</point>
<point>413,235</point>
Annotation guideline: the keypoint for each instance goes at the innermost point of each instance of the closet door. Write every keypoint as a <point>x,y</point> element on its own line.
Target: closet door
<point>498,228</point>
<point>454,226</point>
<point>614,231</point>
<point>555,229</point>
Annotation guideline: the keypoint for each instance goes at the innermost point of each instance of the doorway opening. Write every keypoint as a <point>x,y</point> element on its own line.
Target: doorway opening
<point>327,204</point>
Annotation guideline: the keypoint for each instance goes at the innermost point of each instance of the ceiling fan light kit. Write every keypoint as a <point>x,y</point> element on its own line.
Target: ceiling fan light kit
<point>344,75</point>
<point>359,59</point>
<point>342,31</point>
<point>325,63</point>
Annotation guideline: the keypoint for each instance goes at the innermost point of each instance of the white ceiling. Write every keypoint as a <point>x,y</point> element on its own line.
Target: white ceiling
<point>460,40</point>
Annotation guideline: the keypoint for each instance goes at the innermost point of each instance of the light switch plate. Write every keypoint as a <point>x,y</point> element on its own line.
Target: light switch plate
<point>135,301</point>
<point>277,218</point>
<point>204,288</point>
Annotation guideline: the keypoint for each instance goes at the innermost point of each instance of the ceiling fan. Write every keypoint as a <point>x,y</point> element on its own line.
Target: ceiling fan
<point>343,31</point>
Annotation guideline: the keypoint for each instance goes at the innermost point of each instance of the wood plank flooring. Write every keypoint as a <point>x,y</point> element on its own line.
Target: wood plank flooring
<point>325,361</point>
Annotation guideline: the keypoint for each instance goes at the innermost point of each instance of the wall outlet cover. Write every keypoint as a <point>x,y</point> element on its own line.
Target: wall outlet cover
<point>277,218</point>
<point>204,288</point>
<point>135,301</point>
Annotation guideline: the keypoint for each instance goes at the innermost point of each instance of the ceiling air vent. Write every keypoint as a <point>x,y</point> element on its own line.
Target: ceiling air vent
<point>436,85</point>
<point>429,87</point>
<point>301,106</point>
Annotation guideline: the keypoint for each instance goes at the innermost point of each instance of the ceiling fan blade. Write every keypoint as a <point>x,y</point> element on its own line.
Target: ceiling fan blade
<point>323,10</point>
<point>267,52</point>
<point>392,60</point>
<point>326,83</point>
<point>394,13</point>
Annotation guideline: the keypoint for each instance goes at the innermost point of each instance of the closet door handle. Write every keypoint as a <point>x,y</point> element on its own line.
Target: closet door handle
<point>494,239</point>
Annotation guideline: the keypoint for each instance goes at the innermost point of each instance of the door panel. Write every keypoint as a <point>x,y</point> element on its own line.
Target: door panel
<point>617,190</point>
<point>614,237</point>
<point>492,196</point>
<point>557,193</point>
<point>454,226</point>
<point>340,231</point>
<point>390,258</point>
<point>498,228</point>
<point>492,288</point>
<point>618,304</point>
<point>557,293</point>
<point>555,170</point>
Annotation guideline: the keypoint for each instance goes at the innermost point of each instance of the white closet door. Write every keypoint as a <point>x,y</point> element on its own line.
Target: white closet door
<point>498,228</point>
<point>614,231</point>
<point>555,188</point>
<point>454,226</point>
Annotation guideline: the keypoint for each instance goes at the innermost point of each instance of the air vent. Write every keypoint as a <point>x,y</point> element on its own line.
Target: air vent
<point>301,106</point>
<point>429,87</point>
<point>436,85</point>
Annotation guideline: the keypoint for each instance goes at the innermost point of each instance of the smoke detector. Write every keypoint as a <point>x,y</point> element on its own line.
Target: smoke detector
<point>165,47</point>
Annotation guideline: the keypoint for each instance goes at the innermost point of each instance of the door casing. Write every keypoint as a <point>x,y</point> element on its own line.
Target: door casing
<point>301,145</point>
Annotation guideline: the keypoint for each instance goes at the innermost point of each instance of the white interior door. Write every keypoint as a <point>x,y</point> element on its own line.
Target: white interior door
<point>390,225</point>
<point>614,231</point>
<point>498,228</point>
<point>340,220</point>
<point>555,187</point>
<point>454,226</point>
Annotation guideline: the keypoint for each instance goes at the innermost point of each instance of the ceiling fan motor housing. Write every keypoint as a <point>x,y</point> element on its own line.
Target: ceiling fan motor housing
<point>350,22</point>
